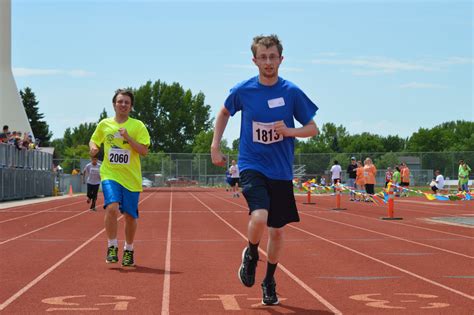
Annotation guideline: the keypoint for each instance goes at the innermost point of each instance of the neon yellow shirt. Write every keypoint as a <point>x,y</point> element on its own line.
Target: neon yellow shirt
<point>121,161</point>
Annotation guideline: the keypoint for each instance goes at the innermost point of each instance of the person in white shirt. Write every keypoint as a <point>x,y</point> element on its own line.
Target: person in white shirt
<point>234,179</point>
<point>336,173</point>
<point>438,182</point>
<point>91,176</point>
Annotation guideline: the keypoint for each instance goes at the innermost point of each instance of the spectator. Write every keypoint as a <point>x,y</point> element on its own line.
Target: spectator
<point>336,174</point>
<point>235,176</point>
<point>405,178</point>
<point>352,171</point>
<point>322,181</point>
<point>360,181</point>
<point>4,134</point>
<point>369,175</point>
<point>463,176</point>
<point>438,182</point>
<point>396,179</point>
<point>388,176</point>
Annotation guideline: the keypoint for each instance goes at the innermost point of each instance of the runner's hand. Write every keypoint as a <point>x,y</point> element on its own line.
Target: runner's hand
<point>93,151</point>
<point>123,132</point>
<point>282,129</point>
<point>218,158</point>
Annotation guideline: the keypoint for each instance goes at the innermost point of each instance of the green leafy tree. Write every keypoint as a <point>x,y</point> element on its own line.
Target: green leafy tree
<point>448,136</point>
<point>39,127</point>
<point>102,115</point>
<point>235,145</point>
<point>72,156</point>
<point>393,144</point>
<point>365,142</point>
<point>389,159</point>
<point>172,115</point>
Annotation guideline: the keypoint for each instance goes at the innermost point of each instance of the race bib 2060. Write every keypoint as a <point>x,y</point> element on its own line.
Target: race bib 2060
<point>119,156</point>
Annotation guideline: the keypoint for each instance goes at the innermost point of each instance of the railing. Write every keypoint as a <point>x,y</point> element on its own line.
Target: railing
<point>11,157</point>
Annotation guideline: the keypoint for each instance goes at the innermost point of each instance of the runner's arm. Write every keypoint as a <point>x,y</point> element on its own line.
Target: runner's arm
<point>308,130</point>
<point>93,149</point>
<point>221,122</point>
<point>138,147</point>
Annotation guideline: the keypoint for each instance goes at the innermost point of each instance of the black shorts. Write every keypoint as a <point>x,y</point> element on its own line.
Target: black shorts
<point>92,191</point>
<point>233,181</point>
<point>369,188</point>
<point>276,196</point>
<point>404,184</point>
<point>434,188</point>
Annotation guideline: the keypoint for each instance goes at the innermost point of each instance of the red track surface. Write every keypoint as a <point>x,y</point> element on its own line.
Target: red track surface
<point>188,248</point>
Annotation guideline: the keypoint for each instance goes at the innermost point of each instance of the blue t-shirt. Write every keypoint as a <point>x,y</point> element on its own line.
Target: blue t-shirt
<point>261,149</point>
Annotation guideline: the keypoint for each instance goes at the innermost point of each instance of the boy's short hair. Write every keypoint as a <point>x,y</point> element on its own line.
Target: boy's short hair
<point>123,92</point>
<point>267,41</point>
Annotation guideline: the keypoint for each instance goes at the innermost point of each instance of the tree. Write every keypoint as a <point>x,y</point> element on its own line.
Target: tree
<point>448,136</point>
<point>39,127</point>
<point>102,115</point>
<point>172,115</point>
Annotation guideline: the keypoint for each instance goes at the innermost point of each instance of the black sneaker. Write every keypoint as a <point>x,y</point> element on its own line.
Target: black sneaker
<point>112,255</point>
<point>127,259</point>
<point>92,208</point>
<point>247,268</point>
<point>269,293</point>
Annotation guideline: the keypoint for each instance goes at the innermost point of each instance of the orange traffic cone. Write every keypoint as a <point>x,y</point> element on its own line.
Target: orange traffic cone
<point>70,190</point>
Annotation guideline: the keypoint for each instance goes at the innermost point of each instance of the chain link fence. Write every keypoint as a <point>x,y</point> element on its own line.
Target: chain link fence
<point>162,168</point>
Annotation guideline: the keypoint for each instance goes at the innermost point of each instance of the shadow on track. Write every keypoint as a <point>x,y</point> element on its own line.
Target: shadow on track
<point>142,269</point>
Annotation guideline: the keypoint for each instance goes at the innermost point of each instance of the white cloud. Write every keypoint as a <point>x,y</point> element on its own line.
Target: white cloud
<point>28,72</point>
<point>419,85</point>
<point>376,65</point>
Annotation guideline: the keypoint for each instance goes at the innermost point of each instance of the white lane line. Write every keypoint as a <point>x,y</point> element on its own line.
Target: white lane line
<point>375,259</point>
<point>53,267</point>
<point>42,228</point>
<point>37,212</point>
<point>283,268</point>
<point>387,264</point>
<point>391,236</point>
<point>165,304</point>
<point>45,273</point>
<point>4,206</point>
<point>400,223</point>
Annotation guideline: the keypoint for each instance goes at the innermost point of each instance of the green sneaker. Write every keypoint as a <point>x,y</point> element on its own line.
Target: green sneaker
<point>127,259</point>
<point>112,255</point>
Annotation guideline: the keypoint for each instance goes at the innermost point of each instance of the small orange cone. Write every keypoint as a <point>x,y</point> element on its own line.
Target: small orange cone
<point>70,190</point>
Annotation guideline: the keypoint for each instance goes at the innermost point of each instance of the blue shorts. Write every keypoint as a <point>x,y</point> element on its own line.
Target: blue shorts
<point>127,200</point>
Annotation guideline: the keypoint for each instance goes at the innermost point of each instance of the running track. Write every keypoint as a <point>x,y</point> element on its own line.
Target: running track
<point>188,248</point>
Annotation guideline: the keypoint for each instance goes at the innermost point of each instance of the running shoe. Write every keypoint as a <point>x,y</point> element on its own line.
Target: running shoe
<point>112,255</point>
<point>247,268</point>
<point>127,259</point>
<point>269,293</point>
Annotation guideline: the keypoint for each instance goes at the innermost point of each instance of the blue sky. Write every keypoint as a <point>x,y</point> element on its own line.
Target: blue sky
<point>385,67</point>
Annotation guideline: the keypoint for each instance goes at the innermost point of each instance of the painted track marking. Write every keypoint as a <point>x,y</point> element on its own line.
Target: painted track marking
<point>371,258</point>
<point>53,267</point>
<point>283,268</point>
<point>165,304</point>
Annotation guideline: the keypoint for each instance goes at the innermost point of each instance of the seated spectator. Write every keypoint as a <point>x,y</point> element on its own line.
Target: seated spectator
<point>438,182</point>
